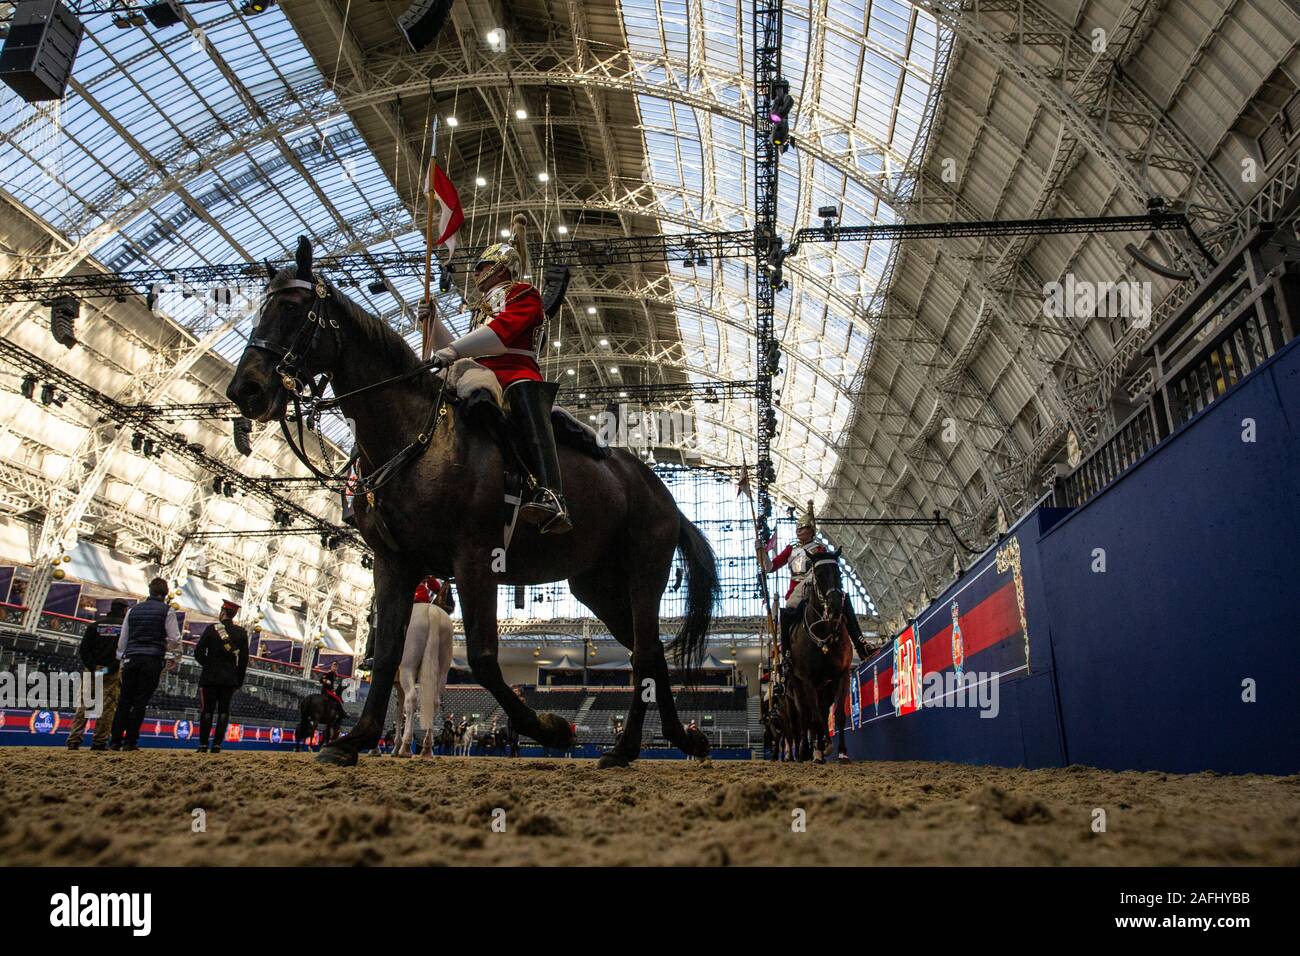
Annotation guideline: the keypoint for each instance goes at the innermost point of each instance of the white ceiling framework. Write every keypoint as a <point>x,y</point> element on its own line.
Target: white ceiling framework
<point>312,118</point>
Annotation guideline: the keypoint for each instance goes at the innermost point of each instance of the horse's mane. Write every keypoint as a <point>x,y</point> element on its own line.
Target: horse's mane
<point>385,342</point>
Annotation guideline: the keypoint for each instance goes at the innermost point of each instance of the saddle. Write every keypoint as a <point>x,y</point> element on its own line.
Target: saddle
<point>482,395</point>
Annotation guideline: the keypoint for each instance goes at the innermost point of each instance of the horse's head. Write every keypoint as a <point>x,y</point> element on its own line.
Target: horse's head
<point>296,340</point>
<point>828,586</point>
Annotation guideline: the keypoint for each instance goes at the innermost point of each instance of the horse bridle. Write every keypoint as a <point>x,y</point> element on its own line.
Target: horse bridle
<point>825,620</point>
<point>310,394</point>
<point>315,323</point>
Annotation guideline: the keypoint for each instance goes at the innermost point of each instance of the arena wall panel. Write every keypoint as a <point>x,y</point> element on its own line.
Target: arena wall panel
<point>1142,666</point>
<point>1200,594</point>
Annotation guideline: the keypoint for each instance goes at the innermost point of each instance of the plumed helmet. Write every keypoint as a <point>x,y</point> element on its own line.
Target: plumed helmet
<point>501,254</point>
<point>806,517</point>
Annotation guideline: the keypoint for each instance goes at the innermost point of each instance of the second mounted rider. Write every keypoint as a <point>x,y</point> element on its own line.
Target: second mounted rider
<point>504,338</point>
<point>801,556</point>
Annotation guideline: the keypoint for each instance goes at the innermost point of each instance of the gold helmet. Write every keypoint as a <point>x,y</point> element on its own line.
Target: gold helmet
<point>806,518</point>
<point>500,254</point>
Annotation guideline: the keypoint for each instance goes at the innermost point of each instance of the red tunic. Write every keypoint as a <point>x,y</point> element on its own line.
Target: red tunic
<point>516,325</point>
<point>428,590</point>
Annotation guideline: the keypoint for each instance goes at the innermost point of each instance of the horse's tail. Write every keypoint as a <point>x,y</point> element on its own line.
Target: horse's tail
<point>701,596</point>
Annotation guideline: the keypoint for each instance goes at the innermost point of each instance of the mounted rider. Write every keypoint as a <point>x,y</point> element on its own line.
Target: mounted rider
<point>801,557</point>
<point>329,686</point>
<point>504,337</point>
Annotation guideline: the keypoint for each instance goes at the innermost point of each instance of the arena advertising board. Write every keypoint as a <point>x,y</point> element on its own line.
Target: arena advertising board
<point>48,722</point>
<point>977,632</point>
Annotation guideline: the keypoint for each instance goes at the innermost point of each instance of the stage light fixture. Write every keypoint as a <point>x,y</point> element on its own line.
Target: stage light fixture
<point>251,8</point>
<point>781,105</point>
<point>29,386</point>
<point>480,181</point>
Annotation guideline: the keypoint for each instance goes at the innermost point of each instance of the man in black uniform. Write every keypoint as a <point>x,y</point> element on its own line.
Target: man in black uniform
<point>222,652</point>
<point>99,653</point>
<point>150,641</point>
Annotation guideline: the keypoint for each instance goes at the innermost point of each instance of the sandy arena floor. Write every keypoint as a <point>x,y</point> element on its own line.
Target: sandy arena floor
<point>282,808</point>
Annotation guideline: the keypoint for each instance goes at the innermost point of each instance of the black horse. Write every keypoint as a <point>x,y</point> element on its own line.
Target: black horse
<point>318,711</point>
<point>430,502</point>
<point>821,655</point>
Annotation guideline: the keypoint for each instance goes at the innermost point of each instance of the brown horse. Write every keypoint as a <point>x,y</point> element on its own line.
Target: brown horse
<point>821,655</point>
<point>437,485</point>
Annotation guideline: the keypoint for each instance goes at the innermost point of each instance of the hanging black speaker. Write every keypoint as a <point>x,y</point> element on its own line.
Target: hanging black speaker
<point>423,21</point>
<point>37,56</point>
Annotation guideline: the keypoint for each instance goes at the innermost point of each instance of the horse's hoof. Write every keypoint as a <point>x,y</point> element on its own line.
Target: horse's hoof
<point>697,745</point>
<point>336,757</point>
<point>612,759</point>
<point>844,758</point>
<point>555,732</point>
<point>402,753</point>
<point>819,760</point>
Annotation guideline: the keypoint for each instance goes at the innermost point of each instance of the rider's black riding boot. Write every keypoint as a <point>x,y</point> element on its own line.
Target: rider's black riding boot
<point>529,404</point>
<point>205,729</point>
<point>855,630</point>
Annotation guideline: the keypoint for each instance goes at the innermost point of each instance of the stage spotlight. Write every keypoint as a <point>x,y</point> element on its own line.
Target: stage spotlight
<point>782,103</point>
<point>29,386</point>
<point>137,442</point>
<point>252,8</point>
<point>377,287</point>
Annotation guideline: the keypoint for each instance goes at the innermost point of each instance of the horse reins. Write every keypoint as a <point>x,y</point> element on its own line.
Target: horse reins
<point>311,394</point>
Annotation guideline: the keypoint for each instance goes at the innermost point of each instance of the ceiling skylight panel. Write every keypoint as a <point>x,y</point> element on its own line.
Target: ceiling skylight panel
<point>839,69</point>
<point>889,24</point>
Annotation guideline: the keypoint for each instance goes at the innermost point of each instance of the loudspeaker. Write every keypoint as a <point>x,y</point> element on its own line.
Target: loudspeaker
<point>37,56</point>
<point>423,21</point>
<point>163,14</point>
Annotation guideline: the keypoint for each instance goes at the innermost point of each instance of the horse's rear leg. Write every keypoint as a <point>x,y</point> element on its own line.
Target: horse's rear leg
<point>394,587</point>
<point>478,594</point>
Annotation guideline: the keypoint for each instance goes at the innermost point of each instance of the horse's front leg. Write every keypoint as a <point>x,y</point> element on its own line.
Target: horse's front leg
<point>394,587</point>
<point>478,594</point>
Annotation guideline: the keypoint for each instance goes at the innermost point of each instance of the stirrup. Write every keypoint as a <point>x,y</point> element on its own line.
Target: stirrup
<point>547,512</point>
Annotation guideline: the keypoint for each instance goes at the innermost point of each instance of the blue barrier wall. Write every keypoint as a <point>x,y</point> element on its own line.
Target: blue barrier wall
<point>1141,666</point>
<point>1025,730</point>
<point>1201,592</point>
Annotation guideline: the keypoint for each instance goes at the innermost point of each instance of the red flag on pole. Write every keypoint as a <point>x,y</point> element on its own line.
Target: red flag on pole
<point>450,213</point>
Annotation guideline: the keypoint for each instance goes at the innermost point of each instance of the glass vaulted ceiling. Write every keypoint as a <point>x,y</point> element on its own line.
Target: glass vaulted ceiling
<point>242,192</point>
<point>873,66</point>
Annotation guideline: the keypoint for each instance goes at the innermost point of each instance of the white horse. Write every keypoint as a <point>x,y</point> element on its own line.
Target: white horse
<point>426,659</point>
<point>465,741</point>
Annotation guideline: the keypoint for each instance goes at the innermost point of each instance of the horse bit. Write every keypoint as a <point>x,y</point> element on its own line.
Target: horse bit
<point>823,599</point>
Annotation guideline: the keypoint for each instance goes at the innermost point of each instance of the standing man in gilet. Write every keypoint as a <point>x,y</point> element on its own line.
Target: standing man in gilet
<point>222,652</point>
<point>150,642</point>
